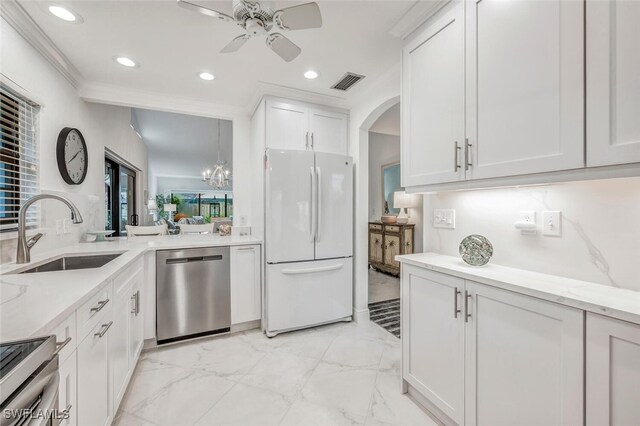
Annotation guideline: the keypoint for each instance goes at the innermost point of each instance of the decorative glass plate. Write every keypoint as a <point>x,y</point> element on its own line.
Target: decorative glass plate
<point>476,250</point>
<point>100,235</point>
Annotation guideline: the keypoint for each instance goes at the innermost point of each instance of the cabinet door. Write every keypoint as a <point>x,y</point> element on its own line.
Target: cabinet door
<point>94,388</point>
<point>246,297</point>
<point>433,338</point>
<point>433,102</point>
<point>613,86</point>
<point>391,250</point>
<point>613,371</point>
<point>328,131</point>
<point>524,360</point>
<point>119,338</point>
<point>287,126</point>
<point>375,247</point>
<point>408,241</point>
<point>136,334</point>
<point>67,390</point>
<point>525,92</point>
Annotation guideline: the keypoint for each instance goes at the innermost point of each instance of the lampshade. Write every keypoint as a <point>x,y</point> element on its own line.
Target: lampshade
<point>152,205</point>
<point>403,200</point>
<point>170,208</point>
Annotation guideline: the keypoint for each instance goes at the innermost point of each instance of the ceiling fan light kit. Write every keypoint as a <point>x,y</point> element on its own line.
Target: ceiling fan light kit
<point>260,21</point>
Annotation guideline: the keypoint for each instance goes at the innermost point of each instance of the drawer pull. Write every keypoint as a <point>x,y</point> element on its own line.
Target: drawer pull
<point>105,328</point>
<point>245,248</point>
<point>61,345</point>
<point>467,315</point>
<point>101,304</point>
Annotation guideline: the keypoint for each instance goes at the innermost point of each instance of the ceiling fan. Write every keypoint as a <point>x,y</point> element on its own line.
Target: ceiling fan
<point>257,20</point>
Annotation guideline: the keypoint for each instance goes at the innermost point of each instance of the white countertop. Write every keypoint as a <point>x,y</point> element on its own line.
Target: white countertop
<point>33,304</point>
<point>601,299</point>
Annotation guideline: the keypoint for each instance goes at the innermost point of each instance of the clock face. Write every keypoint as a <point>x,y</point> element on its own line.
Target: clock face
<point>72,156</point>
<point>75,156</point>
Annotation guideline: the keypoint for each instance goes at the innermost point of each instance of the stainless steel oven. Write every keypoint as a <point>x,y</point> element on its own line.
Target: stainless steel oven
<point>29,383</point>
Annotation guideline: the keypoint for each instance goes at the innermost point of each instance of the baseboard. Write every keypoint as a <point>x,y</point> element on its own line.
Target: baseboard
<point>361,315</point>
<point>244,326</point>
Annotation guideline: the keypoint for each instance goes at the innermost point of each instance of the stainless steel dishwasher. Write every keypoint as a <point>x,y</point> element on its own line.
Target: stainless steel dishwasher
<point>192,293</point>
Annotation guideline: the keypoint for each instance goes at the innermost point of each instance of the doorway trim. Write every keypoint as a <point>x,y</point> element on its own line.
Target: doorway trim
<point>361,220</point>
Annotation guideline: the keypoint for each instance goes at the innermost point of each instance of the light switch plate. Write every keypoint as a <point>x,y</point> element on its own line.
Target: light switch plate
<point>552,223</point>
<point>444,218</point>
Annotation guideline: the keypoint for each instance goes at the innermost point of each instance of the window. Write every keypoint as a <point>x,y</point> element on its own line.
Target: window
<point>119,197</point>
<point>18,158</point>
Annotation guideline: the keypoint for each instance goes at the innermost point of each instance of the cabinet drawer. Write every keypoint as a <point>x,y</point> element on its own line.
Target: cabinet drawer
<point>375,226</point>
<point>89,314</point>
<point>392,228</point>
<point>66,335</point>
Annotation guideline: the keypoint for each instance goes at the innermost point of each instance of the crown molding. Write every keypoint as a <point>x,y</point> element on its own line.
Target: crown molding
<point>23,23</point>
<point>268,89</point>
<point>416,16</point>
<point>128,97</point>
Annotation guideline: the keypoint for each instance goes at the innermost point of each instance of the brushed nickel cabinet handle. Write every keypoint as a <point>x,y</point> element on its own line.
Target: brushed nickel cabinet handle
<point>101,304</point>
<point>467,160</point>
<point>456,155</point>
<point>456,309</point>
<point>306,141</point>
<point>312,141</point>
<point>105,328</point>
<point>467,297</point>
<point>61,345</point>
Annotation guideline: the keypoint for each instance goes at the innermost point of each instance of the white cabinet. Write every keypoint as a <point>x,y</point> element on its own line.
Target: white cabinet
<point>246,297</point>
<point>613,372</point>
<point>94,382</point>
<point>477,355</point>
<point>613,86</point>
<point>433,102</point>
<point>433,338</point>
<point>126,334</point>
<point>525,87</point>
<point>524,360</point>
<point>300,126</point>
<point>67,390</point>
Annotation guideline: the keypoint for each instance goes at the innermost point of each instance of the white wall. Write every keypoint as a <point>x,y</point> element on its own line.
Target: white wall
<point>102,126</point>
<point>383,149</point>
<point>600,228</point>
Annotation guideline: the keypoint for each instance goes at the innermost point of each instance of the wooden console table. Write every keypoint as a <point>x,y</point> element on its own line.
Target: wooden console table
<point>387,241</point>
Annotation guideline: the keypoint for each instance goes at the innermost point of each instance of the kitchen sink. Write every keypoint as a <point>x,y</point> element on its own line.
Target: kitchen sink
<point>69,263</point>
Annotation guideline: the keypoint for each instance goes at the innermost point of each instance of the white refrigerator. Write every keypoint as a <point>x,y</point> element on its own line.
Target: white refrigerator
<point>309,239</point>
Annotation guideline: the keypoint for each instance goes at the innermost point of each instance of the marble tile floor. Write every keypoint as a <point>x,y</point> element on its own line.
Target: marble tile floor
<point>383,287</point>
<point>340,374</point>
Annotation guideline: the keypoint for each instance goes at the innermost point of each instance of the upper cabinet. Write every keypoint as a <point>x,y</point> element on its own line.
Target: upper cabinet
<point>525,87</point>
<point>433,102</point>
<point>295,125</point>
<point>613,82</point>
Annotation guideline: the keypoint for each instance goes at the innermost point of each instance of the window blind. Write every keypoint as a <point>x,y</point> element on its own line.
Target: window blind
<point>18,157</point>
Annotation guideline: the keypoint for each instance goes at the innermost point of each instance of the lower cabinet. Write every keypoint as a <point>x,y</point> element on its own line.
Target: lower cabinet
<point>479,355</point>
<point>246,295</point>
<point>613,372</point>
<point>67,390</point>
<point>94,390</point>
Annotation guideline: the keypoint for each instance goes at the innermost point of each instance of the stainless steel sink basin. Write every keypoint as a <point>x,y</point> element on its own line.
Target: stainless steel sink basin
<point>69,263</point>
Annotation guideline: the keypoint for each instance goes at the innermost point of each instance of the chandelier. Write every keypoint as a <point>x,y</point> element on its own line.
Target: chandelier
<point>220,176</point>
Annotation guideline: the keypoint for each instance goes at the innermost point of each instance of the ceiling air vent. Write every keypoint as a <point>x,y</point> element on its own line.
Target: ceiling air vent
<point>347,81</point>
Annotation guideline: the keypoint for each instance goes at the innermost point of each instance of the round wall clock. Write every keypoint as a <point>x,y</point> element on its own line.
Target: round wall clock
<point>72,156</point>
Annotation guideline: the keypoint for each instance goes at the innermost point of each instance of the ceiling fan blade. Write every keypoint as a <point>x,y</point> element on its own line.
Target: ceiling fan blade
<point>300,17</point>
<point>235,44</point>
<point>205,11</point>
<point>284,47</point>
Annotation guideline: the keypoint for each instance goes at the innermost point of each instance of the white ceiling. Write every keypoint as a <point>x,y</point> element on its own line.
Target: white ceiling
<point>182,145</point>
<point>389,122</point>
<point>173,45</point>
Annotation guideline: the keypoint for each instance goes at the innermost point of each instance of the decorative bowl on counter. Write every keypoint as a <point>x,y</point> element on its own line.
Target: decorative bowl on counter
<point>388,219</point>
<point>100,235</point>
<point>476,250</point>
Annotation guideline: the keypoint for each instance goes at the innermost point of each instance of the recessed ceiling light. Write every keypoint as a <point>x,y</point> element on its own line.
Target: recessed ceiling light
<point>311,74</point>
<point>206,76</point>
<point>64,14</point>
<point>126,62</point>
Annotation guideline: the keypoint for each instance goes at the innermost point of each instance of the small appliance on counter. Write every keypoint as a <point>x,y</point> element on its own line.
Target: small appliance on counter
<point>29,382</point>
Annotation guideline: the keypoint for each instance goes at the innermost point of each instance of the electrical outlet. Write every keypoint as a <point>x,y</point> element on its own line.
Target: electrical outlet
<point>552,223</point>
<point>58,227</point>
<point>444,218</point>
<point>66,226</point>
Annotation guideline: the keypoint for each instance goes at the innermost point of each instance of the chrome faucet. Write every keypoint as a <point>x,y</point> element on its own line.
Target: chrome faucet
<point>24,245</point>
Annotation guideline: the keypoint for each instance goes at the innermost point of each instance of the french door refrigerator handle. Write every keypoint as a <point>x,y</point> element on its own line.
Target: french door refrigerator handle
<point>312,230</point>
<point>318,202</point>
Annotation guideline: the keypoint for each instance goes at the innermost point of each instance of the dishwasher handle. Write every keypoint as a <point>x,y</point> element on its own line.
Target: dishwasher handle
<point>193,259</point>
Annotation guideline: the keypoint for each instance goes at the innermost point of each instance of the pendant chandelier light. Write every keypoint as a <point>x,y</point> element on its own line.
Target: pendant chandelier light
<point>220,176</point>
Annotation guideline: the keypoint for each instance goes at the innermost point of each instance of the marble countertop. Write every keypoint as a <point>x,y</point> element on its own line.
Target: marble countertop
<point>598,298</point>
<point>34,304</point>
